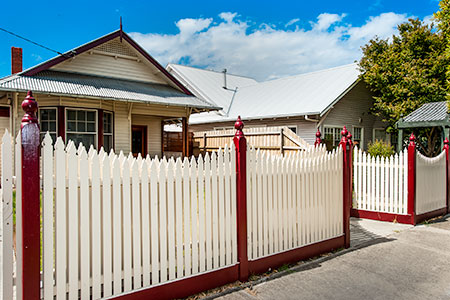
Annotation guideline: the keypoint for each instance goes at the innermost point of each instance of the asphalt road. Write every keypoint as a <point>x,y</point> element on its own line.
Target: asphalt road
<point>387,261</point>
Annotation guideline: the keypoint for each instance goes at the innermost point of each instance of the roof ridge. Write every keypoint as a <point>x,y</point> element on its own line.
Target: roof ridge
<point>214,71</point>
<point>310,73</point>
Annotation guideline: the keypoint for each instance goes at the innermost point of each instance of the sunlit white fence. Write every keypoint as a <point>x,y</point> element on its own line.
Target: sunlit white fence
<point>431,181</point>
<point>294,200</point>
<point>379,183</point>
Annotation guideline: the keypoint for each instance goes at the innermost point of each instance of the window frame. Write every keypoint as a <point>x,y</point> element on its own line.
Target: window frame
<point>66,121</point>
<point>39,120</point>
<point>333,127</point>
<point>294,126</point>
<point>361,144</point>
<point>112,128</point>
<point>387,135</point>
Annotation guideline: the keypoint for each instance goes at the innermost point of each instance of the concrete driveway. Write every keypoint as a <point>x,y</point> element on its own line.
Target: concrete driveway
<point>386,261</point>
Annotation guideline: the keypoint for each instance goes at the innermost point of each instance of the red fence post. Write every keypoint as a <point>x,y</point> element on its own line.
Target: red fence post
<point>241,196</point>
<point>347,182</point>
<point>446,148</point>
<point>318,139</point>
<point>412,179</point>
<point>30,200</point>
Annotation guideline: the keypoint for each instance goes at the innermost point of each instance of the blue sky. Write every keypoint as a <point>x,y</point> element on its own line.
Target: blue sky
<point>262,39</point>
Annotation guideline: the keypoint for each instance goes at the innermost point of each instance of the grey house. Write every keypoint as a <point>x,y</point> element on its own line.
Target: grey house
<point>326,99</point>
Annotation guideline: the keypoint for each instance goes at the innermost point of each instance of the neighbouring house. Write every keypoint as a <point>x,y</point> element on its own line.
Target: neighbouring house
<point>429,115</point>
<point>327,99</point>
<point>108,93</point>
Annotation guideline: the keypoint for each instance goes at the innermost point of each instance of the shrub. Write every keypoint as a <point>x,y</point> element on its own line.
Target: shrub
<point>380,148</point>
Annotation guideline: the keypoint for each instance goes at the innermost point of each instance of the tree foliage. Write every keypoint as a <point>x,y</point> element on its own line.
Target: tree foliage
<point>406,71</point>
<point>443,18</point>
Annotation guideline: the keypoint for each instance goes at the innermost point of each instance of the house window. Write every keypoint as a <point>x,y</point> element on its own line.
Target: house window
<point>293,128</point>
<point>81,126</point>
<point>48,122</point>
<point>358,136</point>
<point>332,137</point>
<point>379,134</point>
<point>107,131</point>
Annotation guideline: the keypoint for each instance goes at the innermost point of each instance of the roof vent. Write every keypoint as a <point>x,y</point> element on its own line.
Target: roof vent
<point>224,78</point>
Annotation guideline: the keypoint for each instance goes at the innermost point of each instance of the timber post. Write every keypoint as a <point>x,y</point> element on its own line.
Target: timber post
<point>30,200</point>
<point>447,185</point>
<point>281,141</point>
<point>241,197</point>
<point>318,140</point>
<point>347,183</point>
<point>412,179</point>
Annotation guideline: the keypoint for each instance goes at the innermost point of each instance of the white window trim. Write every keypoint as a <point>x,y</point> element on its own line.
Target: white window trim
<point>361,144</point>
<point>332,126</point>
<point>76,132</point>
<point>296,128</point>
<point>39,118</point>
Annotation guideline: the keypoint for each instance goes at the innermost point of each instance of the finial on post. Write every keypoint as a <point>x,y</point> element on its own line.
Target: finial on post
<point>349,138</point>
<point>412,140</point>
<point>344,134</point>
<point>239,125</point>
<point>30,106</point>
<point>318,139</point>
<point>446,143</point>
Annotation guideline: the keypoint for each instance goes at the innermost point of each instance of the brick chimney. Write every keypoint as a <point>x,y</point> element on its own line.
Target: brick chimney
<point>16,60</point>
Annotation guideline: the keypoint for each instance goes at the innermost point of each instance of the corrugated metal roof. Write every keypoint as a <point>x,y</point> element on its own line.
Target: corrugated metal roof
<point>62,83</point>
<point>208,84</point>
<point>305,94</point>
<point>434,111</point>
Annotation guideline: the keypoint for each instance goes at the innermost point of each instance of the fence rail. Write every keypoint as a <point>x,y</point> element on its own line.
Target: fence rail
<point>276,140</point>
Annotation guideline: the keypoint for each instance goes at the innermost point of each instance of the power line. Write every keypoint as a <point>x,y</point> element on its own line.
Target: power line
<point>30,41</point>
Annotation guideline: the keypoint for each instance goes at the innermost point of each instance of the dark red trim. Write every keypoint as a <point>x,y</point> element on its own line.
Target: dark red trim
<point>431,214</point>
<point>347,182</point>
<point>185,287</point>
<point>241,198</point>
<point>100,128</point>
<point>412,179</point>
<point>4,111</point>
<point>262,265</point>
<point>185,133</point>
<point>102,40</point>
<point>381,216</point>
<point>62,122</point>
<point>30,201</point>
<point>447,173</point>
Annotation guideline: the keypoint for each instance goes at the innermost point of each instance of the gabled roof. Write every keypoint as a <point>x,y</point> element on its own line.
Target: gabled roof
<point>306,94</point>
<point>83,48</point>
<point>76,85</point>
<point>50,77</point>
<point>428,115</point>
<point>434,111</point>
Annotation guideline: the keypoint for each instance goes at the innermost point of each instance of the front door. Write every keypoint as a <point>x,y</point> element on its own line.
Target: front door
<point>139,140</point>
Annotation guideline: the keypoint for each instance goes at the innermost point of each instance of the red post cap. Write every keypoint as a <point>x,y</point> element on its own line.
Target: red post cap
<point>30,106</point>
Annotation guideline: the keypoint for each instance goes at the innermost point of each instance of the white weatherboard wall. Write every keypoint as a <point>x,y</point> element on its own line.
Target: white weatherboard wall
<point>430,183</point>
<point>133,222</point>
<point>380,184</point>
<point>294,200</point>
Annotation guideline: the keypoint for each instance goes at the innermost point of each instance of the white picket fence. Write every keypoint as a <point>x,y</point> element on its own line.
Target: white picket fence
<point>430,183</point>
<point>293,200</point>
<point>380,184</point>
<point>113,224</point>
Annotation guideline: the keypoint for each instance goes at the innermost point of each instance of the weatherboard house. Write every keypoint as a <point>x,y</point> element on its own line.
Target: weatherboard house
<point>327,99</point>
<point>108,93</point>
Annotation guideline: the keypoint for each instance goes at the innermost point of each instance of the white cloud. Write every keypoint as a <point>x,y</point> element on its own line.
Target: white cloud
<point>264,51</point>
<point>292,22</point>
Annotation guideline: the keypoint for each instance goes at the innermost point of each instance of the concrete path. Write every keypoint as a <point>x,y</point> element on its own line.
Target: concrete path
<point>386,261</point>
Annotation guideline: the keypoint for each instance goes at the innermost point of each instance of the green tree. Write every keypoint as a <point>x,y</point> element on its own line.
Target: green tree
<point>443,21</point>
<point>405,72</point>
